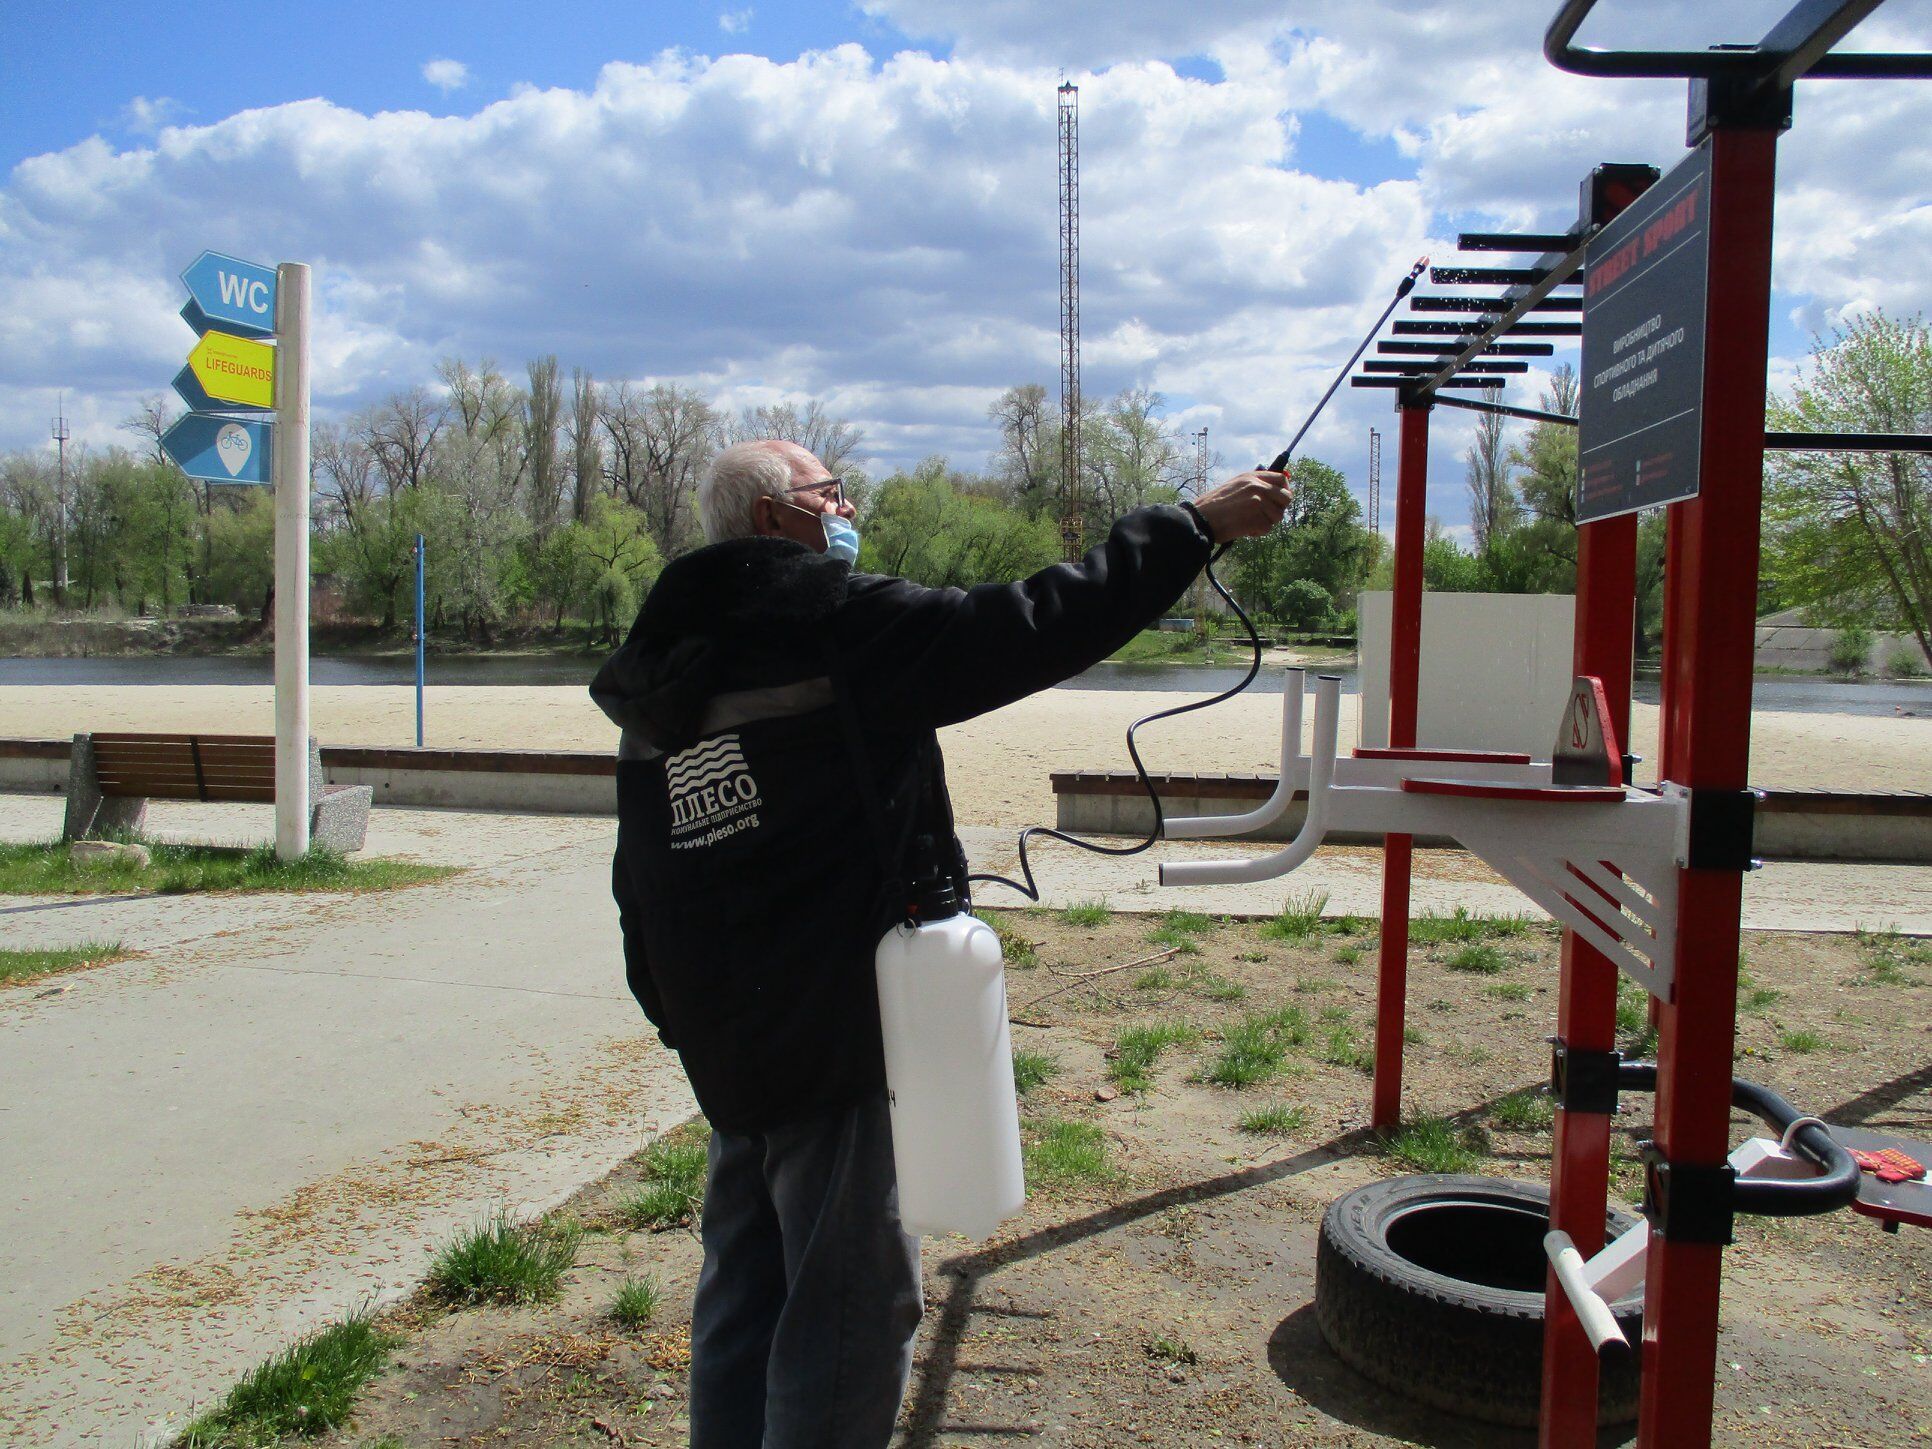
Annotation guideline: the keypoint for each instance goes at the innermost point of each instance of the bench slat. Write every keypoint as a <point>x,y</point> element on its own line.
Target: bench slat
<point>186,767</point>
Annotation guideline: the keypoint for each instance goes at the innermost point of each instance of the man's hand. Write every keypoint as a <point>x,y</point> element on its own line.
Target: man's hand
<point>1246,506</point>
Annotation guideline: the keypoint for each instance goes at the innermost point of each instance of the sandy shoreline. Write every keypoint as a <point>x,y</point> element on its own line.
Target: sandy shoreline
<point>999,764</point>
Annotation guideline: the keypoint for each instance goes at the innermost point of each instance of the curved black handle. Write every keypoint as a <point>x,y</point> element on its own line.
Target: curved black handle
<point>1773,1198</point>
<point>1785,55</point>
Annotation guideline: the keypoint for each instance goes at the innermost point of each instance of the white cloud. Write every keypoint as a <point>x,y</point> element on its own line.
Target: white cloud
<point>147,115</point>
<point>882,232</point>
<point>446,75</point>
<point>735,22</point>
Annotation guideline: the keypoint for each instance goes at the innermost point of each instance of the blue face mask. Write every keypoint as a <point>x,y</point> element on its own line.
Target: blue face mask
<point>841,538</point>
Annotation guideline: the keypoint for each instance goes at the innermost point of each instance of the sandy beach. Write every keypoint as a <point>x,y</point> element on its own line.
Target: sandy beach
<point>999,764</point>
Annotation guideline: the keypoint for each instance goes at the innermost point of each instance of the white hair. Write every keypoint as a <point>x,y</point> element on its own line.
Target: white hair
<point>735,480</point>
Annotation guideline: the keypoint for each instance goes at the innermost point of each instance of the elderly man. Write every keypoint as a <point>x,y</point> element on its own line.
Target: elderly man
<point>779,781</point>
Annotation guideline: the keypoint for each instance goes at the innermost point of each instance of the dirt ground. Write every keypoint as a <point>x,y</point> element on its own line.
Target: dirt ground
<point>1171,1302</point>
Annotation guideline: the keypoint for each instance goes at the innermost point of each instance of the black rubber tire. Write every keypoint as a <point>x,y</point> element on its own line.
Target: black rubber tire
<point>1457,1345</point>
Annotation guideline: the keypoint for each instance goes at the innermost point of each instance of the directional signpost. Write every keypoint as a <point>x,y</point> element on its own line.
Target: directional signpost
<point>232,382</point>
<point>220,450</point>
<point>231,294</point>
<point>233,369</point>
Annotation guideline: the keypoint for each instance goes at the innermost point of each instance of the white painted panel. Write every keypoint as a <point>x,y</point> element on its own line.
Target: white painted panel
<point>1495,670</point>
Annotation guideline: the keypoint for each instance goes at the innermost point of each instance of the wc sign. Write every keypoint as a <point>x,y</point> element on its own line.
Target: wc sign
<point>229,294</point>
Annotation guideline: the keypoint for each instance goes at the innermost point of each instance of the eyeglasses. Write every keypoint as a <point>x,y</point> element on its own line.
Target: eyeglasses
<point>826,490</point>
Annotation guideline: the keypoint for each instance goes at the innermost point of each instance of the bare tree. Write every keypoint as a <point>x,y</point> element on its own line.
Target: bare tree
<point>541,412</point>
<point>402,433</point>
<point>678,430</point>
<point>626,461</point>
<point>1028,449</point>
<point>586,450</point>
<point>831,440</point>
<point>346,474</point>
<point>1494,509</point>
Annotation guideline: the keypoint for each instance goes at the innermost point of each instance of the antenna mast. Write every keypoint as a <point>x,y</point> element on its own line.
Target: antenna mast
<point>1072,510</point>
<point>59,561</point>
<point>1375,481</point>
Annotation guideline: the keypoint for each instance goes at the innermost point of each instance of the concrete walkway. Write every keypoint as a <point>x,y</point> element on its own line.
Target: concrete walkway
<point>280,1109</point>
<point>284,1105</point>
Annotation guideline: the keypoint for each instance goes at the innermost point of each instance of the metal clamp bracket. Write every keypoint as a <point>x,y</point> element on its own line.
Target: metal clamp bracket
<point>1686,1202</point>
<point>1719,830</point>
<point>1584,1081</point>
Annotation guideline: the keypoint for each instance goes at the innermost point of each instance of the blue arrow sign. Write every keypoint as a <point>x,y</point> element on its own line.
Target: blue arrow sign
<point>220,450</point>
<point>188,387</point>
<point>235,295</point>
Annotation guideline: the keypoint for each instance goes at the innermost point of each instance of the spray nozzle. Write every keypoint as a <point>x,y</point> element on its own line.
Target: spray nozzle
<point>1408,283</point>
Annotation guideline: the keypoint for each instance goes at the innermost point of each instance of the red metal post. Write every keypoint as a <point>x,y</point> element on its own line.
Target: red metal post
<point>1586,1019</point>
<point>1405,672</point>
<point>1712,594</point>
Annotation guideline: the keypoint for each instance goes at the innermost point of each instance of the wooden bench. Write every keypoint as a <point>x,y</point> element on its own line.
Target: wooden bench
<point>111,778</point>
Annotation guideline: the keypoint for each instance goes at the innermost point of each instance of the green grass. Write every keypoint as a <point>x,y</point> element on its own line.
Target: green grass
<point>1181,929</point>
<point>1886,956</point>
<point>1802,1043</point>
<point>503,1261</point>
<point>1280,1120</point>
<point>1478,960</point>
<point>1460,926</point>
<point>1016,950</point>
<point>1434,1144</point>
<point>18,965</point>
<point>1255,1048</point>
<point>307,1389</point>
<point>1509,991</point>
<point>1526,1111</point>
<point>1168,646</point>
<point>1086,913</point>
<point>1347,955</point>
<point>636,1302</point>
<point>673,1188</point>
<point>1139,1047</point>
<point>1219,988</point>
<point>1155,978</point>
<point>1060,1153</point>
<point>47,870</point>
<point>1033,1069</point>
<point>1633,1007</point>
<point>1341,1049</point>
<point>1315,985</point>
<point>1300,917</point>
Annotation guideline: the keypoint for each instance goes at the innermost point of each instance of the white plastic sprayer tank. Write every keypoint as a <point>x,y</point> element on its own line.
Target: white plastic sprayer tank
<point>949,1073</point>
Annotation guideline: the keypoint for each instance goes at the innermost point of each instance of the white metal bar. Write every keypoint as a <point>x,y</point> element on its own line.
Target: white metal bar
<point>1599,1323</point>
<point>1196,827</point>
<point>1314,825</point>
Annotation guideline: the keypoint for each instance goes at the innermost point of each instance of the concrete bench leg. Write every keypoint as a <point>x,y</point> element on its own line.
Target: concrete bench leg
<point>339,818</point>
<point>90,814</point>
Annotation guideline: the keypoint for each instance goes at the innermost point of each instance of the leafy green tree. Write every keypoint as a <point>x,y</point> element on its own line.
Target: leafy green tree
<point>1321,541</point>
<point>241,549</point>
<point>924,527</point>
<point>1849,535</point>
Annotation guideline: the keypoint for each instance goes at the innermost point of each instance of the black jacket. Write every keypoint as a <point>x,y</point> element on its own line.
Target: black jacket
<point>748,878</point>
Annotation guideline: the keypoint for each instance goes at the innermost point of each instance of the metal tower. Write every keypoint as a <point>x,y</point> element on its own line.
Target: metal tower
<point>1072,509</point>
<point>1375,479</point>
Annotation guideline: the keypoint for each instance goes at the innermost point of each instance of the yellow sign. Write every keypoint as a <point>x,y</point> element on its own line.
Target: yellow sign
<point>233,369</point>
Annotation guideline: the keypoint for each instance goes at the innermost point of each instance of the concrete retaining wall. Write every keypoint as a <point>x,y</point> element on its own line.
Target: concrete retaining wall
<point>1791,824</point>
<point>542,782</point>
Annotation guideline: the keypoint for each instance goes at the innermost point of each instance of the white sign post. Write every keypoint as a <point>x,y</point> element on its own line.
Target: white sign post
<point>291,474</point>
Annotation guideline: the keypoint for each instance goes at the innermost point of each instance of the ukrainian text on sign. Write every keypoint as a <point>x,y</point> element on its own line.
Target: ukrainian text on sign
<point>1640,414</point>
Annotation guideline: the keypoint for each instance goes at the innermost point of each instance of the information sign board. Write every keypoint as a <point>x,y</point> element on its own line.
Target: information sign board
<point>1640,408</point>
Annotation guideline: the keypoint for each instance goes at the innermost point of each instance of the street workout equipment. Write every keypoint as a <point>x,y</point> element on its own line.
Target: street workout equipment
<point>1676,278</point>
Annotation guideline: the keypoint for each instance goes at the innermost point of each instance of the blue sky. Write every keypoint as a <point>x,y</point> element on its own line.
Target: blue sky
<point>856,201</point>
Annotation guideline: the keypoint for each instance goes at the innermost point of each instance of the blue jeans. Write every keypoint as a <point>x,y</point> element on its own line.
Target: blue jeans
<point>802,1327</point>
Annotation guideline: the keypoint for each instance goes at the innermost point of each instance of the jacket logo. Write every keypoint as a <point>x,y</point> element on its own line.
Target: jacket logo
<point>713,794</point>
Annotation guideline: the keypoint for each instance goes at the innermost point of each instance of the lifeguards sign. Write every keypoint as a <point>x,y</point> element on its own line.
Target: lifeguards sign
<point>235,369</point>
<point>1640,416</point>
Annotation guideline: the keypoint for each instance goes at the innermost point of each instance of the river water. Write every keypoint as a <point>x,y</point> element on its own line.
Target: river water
<point>1796,694</point>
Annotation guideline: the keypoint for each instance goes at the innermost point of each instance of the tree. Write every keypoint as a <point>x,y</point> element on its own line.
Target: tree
<point>1131,457</point>
<point>1321,540</point>
<point>542,411</point>
<point>1546,462</point>
<point>586,450</point>
<point>925,527</point>
<point>1027,460</point>
<point>1850,534</point>
<point>677,430</point>
<point>831,440</point>
<point>1494,511</point>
